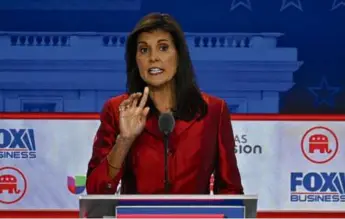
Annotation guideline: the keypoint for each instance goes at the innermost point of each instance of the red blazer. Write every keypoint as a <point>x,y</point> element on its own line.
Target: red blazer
<point>197,148</point>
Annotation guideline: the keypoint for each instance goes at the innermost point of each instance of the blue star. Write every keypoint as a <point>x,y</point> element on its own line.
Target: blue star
<point>287,3</point>
<point>244,3</point>
<point>324,94</point>
<point>337,3</point>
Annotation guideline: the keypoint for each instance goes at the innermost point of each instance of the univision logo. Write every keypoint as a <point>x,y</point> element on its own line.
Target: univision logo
<point>76,184</point>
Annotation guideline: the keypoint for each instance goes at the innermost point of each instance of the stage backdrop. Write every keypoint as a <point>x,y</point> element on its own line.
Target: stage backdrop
<point>290,165</point>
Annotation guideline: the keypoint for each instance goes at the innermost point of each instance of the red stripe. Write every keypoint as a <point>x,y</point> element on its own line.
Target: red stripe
<point>251,117</point>
<point>74,214</point>
<point>58,116</point>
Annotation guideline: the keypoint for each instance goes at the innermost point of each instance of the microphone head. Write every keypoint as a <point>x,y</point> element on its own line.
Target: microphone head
<point>166,123</point>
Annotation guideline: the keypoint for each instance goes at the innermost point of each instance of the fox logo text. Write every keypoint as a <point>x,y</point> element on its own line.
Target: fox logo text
<point>17,144</point>
<point>317,187</point>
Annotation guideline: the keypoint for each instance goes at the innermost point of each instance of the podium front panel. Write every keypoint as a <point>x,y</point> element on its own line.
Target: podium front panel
<point>162,206</point>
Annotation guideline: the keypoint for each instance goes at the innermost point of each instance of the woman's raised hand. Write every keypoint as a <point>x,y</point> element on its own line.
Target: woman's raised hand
<point>133,115</point>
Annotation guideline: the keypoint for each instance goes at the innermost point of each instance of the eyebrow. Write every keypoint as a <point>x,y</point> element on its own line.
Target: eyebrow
<point>159,41</point>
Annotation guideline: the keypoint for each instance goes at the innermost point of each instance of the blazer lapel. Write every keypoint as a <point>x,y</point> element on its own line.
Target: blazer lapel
<point>181,126</point>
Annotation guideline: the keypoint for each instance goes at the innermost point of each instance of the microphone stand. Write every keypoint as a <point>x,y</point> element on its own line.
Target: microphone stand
<point>166,165</point>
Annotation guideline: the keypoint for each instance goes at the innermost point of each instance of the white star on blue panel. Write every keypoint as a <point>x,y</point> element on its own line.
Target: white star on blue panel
<point>295,3</point>
<point>244,3</point>
<point>337,3</point>
<point>324,93</point>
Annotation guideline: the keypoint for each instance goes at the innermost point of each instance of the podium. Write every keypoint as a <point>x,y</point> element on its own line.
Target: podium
<point>168,206</point>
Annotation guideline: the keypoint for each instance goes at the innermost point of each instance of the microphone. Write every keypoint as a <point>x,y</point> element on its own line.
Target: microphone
<point>166,123</point>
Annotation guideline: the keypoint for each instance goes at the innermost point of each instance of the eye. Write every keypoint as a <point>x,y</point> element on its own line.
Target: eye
<point>143,50</point>
<point>163,47</point>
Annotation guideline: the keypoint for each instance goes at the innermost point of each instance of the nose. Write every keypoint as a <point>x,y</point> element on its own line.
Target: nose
<point>154,56</point>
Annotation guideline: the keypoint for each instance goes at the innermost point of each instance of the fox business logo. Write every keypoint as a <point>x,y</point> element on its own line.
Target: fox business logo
<point>317,187</point>
<point>17,144</point>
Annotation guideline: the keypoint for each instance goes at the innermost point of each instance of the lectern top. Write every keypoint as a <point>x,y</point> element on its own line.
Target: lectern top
<point>170,197</point>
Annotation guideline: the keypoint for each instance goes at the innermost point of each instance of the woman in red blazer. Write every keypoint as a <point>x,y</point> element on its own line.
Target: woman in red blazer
<point>128,145</point>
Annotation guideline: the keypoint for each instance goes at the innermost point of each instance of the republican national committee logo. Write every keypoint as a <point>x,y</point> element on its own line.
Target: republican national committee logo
<point>13,185</point>
<point>317,187</point>
<point>76,184</point>
<point>17,144</point>
<point>319,145</point>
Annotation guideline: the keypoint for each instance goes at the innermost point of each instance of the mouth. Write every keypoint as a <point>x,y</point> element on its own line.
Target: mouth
<point>155,71</point>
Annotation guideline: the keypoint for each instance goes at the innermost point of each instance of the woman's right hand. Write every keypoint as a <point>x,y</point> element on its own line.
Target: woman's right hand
<point>133,115</point>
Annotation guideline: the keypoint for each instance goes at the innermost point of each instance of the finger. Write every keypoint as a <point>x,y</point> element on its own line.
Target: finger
<point>126,103</point>
<point>144,98</point>
<point>135,100</point>
<point>146,111</point>
<point>130,99</point>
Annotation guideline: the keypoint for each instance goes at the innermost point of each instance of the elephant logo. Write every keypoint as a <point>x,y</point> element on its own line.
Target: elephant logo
<point>13,185</point>
<point>9,183</point>
<point>319,145</point>
<point>319,142</point>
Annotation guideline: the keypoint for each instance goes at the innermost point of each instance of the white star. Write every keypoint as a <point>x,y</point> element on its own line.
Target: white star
<point>337,4</point>
<point>244,3</point>
<point>287,3</point>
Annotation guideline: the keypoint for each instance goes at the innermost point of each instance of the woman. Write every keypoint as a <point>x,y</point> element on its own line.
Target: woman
<point>129,146</point>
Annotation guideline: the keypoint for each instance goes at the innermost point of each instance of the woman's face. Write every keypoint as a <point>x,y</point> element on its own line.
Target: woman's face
<point>156,57</point>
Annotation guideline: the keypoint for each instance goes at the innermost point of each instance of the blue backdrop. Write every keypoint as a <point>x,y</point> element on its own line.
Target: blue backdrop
<point>262,56</point>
